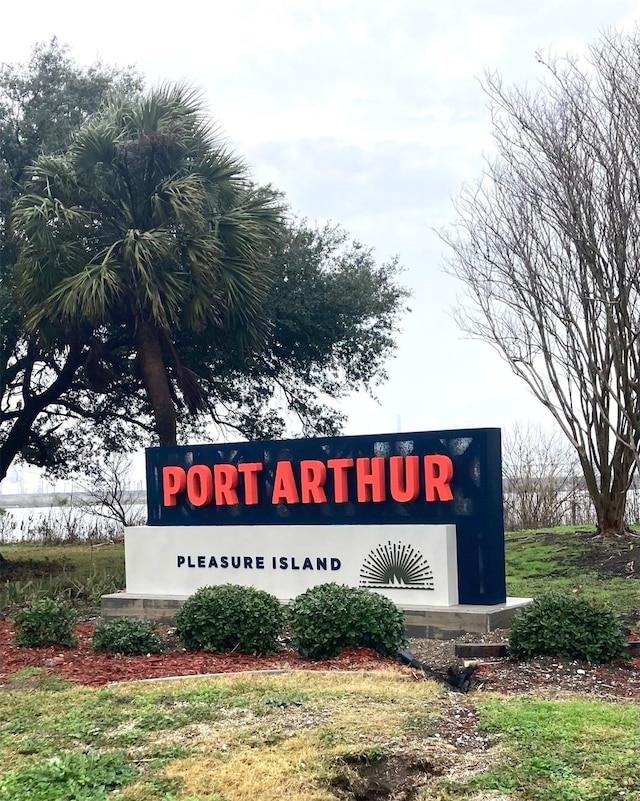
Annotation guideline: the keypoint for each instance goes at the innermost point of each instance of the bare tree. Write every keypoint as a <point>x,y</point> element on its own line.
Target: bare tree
<point>541,476</point>
<point>548,247</point>
<point>107,491</point>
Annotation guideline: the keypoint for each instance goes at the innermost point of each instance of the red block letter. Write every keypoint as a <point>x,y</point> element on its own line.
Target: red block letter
<point>340,486</point>
<point>174,481</point>
<point>438,472</point>
<point>313,475</point>
<point>199,485</point>
<point>370,479</point>
<point>250,472</point>
<point>284,484</point>
<point>225,478</point>
<point>403,478</point>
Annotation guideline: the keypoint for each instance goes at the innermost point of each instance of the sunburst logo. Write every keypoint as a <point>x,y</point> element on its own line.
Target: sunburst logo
<point>398,566</point>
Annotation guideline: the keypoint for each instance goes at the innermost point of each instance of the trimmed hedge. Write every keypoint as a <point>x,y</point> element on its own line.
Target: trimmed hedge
<point>330,617</point>
<point>568,627</point>
<point>231,617</point>
<point>127,636</point>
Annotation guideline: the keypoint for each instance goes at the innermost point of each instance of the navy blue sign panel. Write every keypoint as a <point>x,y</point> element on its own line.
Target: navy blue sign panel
<point>339,480</point>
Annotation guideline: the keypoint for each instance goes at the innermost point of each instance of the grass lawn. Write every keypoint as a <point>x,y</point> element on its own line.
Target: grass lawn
<point>313,736</point>
<point>571,561</point>
<point>307,737</point>
<point>569,750</point>
<point>77,572</point>
<point>559,559</point>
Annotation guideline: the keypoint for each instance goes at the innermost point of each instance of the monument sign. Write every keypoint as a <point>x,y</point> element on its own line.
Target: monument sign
<point>416,516</point>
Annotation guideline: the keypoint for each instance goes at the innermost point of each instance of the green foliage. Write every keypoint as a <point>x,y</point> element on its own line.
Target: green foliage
<point>550,741</point>
<point>568,627</point>
<point>230,617</point>
<point>190,252</point>
<point>42,103</point>
<point>334,316</point>
<point>324,315</point>
<point>45,622</point>
<point>329,617</point>
<point>69,777</point>
<point>321,315</point>
<point>128,636</point>
<point>86,591</point>
<point>75,573</point>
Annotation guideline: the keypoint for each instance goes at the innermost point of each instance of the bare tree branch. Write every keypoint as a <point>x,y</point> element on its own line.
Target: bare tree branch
<point>548,248</point>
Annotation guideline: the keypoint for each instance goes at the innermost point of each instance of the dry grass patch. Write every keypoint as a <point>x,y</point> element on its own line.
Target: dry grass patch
<point>315,737</point>
<point>310,767</point>
<point>390,684</point>
<point>288,770</point>
<point>314,748</point>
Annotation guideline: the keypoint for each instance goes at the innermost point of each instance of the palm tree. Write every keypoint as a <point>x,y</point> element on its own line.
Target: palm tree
<point>147,224</point>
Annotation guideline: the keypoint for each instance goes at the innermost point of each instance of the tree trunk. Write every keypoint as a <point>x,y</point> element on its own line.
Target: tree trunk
<point>613,502</point>
<point>608,492</point>
<point>156,381</point>
<point>20,433</point>
<point>610,516</point>
<point>610,506</point>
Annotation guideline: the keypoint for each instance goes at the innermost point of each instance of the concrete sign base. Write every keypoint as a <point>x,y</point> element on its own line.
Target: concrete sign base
<point>434,622</point>
<point>413,565</point>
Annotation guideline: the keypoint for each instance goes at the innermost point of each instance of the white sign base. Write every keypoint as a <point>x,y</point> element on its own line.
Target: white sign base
<point>411,564</point>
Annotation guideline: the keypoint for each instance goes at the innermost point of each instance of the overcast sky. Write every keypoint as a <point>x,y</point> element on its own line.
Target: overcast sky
<point>364,112</point>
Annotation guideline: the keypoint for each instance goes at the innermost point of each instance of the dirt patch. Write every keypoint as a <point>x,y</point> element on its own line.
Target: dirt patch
<point>28,569</point>
<point>458,725</point>
<point>376,776</point>
<point>590,552</point>
<point>615,557</point>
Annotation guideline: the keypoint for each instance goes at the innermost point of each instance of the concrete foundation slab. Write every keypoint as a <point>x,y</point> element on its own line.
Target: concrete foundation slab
<point>434,622</point>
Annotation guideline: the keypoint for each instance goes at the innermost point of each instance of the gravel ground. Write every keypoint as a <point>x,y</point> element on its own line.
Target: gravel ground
<point>547,676</point>
<point>440,654</point>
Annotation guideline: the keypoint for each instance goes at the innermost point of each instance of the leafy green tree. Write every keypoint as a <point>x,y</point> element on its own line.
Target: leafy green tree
<point>324,314</point>
<point>41,104</point>
<point>146,225</point>
<point>332,315</point>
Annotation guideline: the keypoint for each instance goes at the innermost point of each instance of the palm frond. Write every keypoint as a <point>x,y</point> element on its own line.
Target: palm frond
<point>192,392</point>
<point>95,143</point>
<point>148,220</point>
<point>183,200</point>
<point>88,295</point>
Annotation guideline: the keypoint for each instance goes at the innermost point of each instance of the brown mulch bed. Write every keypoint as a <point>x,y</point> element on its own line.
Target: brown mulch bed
<point>80,665</point>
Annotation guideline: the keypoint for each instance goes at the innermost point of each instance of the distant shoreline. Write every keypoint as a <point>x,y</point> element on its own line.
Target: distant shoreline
<point>61,499</point>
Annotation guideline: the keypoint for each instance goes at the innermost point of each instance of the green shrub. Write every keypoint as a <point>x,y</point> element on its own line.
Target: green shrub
<point>568,627</point>
<point>127,636</point>
<point>230,617</point>
<point>329,617</point>
<point>45,622</point>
